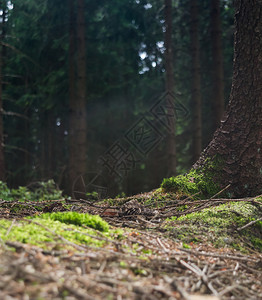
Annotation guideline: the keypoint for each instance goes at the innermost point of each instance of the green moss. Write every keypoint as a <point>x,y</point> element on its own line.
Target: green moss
<point>186,246</point>
<point>79,219</point>
<point>157,198</point>
<point>215,218</point>
<point>48,230</point>
<point>218,225</point>
<point>123,264</point>
<point>147,251</point>
<point>200,180</point>
<point>257,242</point>
<point>240,247</point>
<point>141,272</point>
<point>34,234</point>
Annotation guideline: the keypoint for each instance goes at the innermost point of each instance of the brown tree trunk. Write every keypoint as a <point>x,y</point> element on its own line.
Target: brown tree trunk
<point>51,137</point>
<point>77,95</point>
<point>196,83</point>
<point>237,144</point>
<point>171,142</point>
<point>217,66</point>
<point>2,156</point>
<point>48,133</point>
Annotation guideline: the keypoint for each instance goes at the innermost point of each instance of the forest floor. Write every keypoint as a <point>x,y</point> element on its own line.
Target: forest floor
<point>159,246</point>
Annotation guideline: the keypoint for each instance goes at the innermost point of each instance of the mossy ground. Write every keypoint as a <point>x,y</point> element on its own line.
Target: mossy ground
<point>218,225</point>
<point>79,219</point>
<point>44,231</point>
<point>143,255</point>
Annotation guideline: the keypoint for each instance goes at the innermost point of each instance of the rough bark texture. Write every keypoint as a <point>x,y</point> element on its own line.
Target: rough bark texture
<point>196,83</point>
<point>77,102</point>
<point>238,141</point>
<point>217,66</point>
<point>171,143</point>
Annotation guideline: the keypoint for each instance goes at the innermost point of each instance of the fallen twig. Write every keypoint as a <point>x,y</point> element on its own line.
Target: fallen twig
<point>249,224</point>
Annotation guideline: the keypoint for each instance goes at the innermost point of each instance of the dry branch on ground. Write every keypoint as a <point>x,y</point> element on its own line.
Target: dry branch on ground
<point>145,264</point>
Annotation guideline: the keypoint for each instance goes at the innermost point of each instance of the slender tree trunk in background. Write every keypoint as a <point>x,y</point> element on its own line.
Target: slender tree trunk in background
<point>26,156</point>
<point>237,143</point>
<point>71,68</point>
<point>43,144</point>
<point>2,34</point>
<point>47,145</point>
<point>77,94</point>
<point>196,83</point>
<point>51,136</point>
<point>171,142</point>
<point>217,67</point>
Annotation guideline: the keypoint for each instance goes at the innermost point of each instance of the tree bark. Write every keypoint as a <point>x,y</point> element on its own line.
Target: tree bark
<point>171,142</point>
<point>238,141</point>
<point>217,66</point>
<point>2,34</point>
<point>77,94</point>
<point>196,83</point>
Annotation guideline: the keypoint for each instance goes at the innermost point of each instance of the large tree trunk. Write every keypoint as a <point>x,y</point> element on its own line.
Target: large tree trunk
<point>237,144</point>
<point>196,83</point>
<point>171,142</point>
<point>77,101</point>
<point>217,66</point>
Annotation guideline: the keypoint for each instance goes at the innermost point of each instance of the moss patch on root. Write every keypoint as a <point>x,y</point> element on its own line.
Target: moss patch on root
<point>218,225</point>
<point>201,180</point>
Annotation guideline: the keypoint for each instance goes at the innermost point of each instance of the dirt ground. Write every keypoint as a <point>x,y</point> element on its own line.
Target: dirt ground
<point>147,263</point>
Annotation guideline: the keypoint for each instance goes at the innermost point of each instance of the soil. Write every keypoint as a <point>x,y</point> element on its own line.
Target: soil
<point>148,262</point>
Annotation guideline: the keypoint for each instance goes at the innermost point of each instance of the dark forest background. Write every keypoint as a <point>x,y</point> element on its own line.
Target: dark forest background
<point>49,77</point>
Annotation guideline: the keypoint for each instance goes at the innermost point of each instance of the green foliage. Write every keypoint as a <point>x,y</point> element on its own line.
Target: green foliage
<point>41,191</point>
<point>5,192</point>
<point>92,196</point>
<point>121,195</point>
<point>78,219</point>
<point>46,191</point>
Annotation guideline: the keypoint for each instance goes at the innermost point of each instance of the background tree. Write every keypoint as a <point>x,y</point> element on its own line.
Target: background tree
<point>196,83</point>
<point>169,62</point>
<point>2,36</point>
<point>217,66</point>
<point>77,100</point>
<point>237,143</point>
<point>125,59</point>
